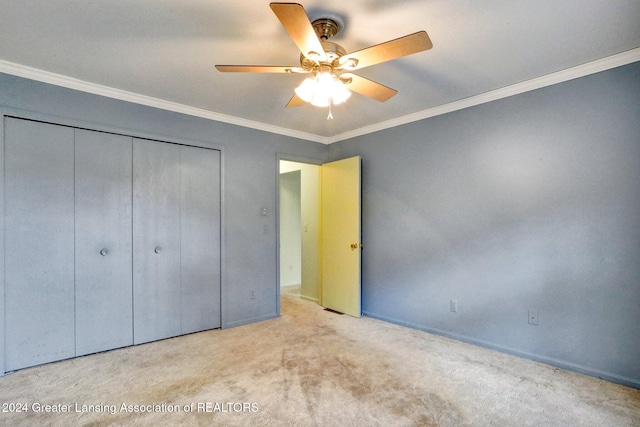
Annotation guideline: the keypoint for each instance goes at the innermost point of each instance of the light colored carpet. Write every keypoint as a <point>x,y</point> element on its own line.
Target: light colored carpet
<point>312,368</point>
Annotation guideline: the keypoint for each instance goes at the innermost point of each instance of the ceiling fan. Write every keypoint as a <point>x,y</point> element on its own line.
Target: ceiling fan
<point>329,63</point>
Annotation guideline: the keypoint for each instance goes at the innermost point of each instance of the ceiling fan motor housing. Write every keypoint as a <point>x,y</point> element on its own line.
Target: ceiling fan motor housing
<point>332,50</point>
<point>325,28</point>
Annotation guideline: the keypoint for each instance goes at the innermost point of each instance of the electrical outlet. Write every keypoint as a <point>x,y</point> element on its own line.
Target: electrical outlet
<point>533,317</point>
<point>453,305</point>
<point>252,294</point>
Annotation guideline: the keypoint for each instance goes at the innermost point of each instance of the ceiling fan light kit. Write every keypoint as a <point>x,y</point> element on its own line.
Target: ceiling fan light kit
<point>332,80</point>
<point>323,90</point>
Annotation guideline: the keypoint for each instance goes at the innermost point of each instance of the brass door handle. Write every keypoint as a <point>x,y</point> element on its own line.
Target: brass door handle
<point>356,245</point>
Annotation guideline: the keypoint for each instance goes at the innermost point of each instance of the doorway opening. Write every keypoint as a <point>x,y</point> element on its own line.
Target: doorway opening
<point>319,235</point>
<point>299,226</point>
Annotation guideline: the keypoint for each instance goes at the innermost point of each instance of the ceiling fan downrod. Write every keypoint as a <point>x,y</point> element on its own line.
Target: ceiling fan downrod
<point>326,28</point>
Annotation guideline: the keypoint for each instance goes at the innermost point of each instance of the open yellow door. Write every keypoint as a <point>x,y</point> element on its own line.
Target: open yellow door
<point>341,244</point>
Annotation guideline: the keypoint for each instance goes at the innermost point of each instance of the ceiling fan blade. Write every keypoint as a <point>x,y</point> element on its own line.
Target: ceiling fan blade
<point>296,101</point>
<point>403,46</point>
<point>258,69</point>
<point>295,20</point>
<point>367,87</point>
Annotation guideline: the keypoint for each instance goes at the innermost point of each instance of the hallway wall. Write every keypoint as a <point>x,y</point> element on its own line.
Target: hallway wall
<point>290,230</point>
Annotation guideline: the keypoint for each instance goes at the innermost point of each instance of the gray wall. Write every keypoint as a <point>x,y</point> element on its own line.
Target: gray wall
<point>290,229</point>
<point>527,203</point>
<point>249,169</point>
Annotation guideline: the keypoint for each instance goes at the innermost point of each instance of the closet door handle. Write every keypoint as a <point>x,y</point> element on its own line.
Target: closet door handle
<point>157,249</point>
<point>104,251</point>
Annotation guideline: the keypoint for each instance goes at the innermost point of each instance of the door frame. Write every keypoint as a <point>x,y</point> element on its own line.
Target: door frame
<point>290,158</point>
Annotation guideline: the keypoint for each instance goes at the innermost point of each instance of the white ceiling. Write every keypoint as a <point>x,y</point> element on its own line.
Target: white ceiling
<point>163,52</point>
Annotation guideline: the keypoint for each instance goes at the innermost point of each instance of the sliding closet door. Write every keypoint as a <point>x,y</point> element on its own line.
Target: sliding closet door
<point>39,243</point>
<point>156,244</point>
<point>103,235</point>
<point>200,239</point>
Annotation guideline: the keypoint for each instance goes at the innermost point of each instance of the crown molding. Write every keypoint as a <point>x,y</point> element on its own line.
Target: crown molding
<point>593,67</point>
<point>122,95</point>
<point>603,64</point>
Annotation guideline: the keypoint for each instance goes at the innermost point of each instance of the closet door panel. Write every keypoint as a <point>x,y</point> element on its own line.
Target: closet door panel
<point>39,243</point>
<point>200,239</point>
<point>104,316</point>
<point>156,244</point>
